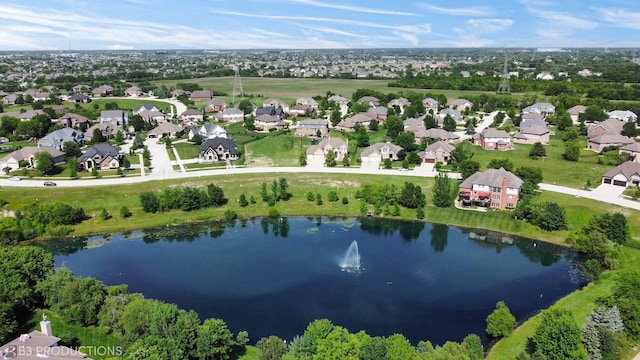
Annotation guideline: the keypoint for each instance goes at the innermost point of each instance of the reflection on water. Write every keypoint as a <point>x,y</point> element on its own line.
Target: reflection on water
<point>272,276</point>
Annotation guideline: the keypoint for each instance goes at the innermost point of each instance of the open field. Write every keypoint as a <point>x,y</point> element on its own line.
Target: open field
<point>293,88</point>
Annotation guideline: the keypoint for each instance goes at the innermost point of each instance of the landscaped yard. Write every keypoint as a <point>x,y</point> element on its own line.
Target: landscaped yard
<point>276,150</point>
<point>186,150</point>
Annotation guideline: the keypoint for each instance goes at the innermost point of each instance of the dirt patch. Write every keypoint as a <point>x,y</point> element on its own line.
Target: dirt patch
<point>8,213</point>
<point>334,183</point>
<point>259,161</point>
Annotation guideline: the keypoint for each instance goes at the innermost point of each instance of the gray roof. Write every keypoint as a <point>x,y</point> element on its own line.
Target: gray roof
<point>228,144</point>
<point>635,147</point>
<point>494,133</point>
<point>611,139</point>
<point>439,146</point>
<point>493,178</point>
<point>59,137</point>
<point>535,130</point>
<point>103,149</point>
<point>377,148</point>
<point>533,122</point>
<point>627,169</point>
<point>441,134</point>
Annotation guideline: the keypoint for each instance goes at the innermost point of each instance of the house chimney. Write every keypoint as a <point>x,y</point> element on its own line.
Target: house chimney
<point>45,326</point>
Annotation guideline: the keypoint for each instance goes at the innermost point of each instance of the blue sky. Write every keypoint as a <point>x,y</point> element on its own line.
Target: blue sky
<point>315,24</point>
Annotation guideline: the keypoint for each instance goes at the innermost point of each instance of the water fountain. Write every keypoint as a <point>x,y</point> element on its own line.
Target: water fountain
<point>351,260</point>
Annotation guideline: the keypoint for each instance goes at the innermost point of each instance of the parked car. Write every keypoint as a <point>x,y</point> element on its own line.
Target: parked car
<point>49,183</point>
<point>14,178</point>
<point>403,169</point>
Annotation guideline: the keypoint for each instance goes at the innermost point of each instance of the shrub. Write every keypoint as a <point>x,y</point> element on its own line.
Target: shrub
<point>124,212</point>
<point>230,215</point>
<point>333,196</point>
<point>243,201</point>
<point>345,200</point>
<point>420,213</point>
<point>318,199</point>
<point>273,212</point>
<point>104,214</point>
<point>310,196</point>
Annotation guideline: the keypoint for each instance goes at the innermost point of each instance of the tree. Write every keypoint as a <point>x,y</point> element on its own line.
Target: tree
<point>214,340</point>
<point>373,125</point>
<point>538,150</point>
<point>563,120</point>
<point>448,123</point>
<point>330,159</point>
<point>44,162</point>
<point>246,106</point>
<point>119,138</point>
<point>374,349</point>
<point>470,129</point>
<point>71,149</point>
<point>335,117</point>
<point>138,143</point>
<point>271,348</point>
<point>500,163</point>
<point>593,113</point>
<point>572,150</point>
<point>394,126</point>
<point>216,195</point>
<point>558,336</point>
<point>94,171</point>
<point>442,190</point>
<point>126,163</point>
<point>468,168</point>
<point>411,196</point>
<point>629,129</point>
<point>196,139</point>
<point>430,122</point>
<point>149,202</point>
<point>500,322</point>
<point>97,136</point>
<point>124,212</point>
<point>399,348</point>
<point>73,165</point>
<point>571,134</point>
<point>362,137</point>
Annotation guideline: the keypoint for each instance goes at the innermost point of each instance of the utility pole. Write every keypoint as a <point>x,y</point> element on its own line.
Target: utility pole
<point>237,85</point>
<point>504,82</point>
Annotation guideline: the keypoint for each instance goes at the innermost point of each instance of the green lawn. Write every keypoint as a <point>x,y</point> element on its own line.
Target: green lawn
<point>291,89</point>
<point>186,150</point>
<point>276,150</point>
<point>554,168</point>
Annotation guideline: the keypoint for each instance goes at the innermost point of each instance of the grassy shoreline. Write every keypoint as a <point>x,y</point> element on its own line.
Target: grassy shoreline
<point>93,199</point>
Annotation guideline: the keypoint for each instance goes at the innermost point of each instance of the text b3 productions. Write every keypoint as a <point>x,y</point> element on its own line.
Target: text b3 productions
<point>67,351</point>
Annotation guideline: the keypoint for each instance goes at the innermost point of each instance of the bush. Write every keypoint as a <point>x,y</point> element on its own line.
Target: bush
<point>345,200</point>
<point>591,270</point>
<point>243,201</point>
<point>104,214</point>
<point>310,196</point>
<point>420,213</point>
<point>333,196</point>
<point>124,212</point>
<point>318,199</point>
<point>230,215</point>
<point>273,212</point>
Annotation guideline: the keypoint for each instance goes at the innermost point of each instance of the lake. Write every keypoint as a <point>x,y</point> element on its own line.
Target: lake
<point>272,276</point>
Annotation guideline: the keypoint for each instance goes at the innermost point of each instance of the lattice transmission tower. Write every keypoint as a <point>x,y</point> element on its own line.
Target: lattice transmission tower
<point>504,82</point>
<point>237,85</point>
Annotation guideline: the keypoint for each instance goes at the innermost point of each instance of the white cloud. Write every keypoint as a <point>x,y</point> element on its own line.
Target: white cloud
<point>620,18</point>
<point>350,8</point>
<point>119,47</point>
<point>489,25</point>
<point>469,11</point>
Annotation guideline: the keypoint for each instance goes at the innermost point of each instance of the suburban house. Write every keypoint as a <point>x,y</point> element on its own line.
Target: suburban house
<point>308,101</point>
<point>532,135</point>
<point>461,104</point>
<point>371,100</point>
<point>493,188</point>
<point>216,106</point>
<point>543,108</point>
<point>58,137</point>
<point>155,116</point>
<point>72,120</point>
<point>102,90</point>
<point>10,99</point>
<point>276,103</point>
<point>493,139</point>
<point>603,141</point>
<point>311,127</point>
<point>38,345</point>
<point>350,123</point>
<point>165,129</point>
<point>441,134</point>
<point>145,107</point>
<point>379,113</point>
<point>438,152</point>
<point>178,92</point>
<point>633,150</point>
<point>414,124</point>
<point>103,156</point>
<point>609,126</point>
<point>430,105</point>
<point>316,153</point>
<point>108,129</point>
<point>217,150</point>
<point>81,89</point>
<point>191,117</point>
<point>342,102</point>
<point>574,113</point>
<point>119,116</point>
<point>400,103</point>
<point>201,95</point>
<point>133,91</point>
<point>269,110</point>
<point>301,110</point>
<point>30,114</point>
<point>28,154</point>
<point>208,131</point>
<point>376,153</point>
<point>545,75</point>
<point>79,99</point>
<point>266,122</point>
<point>454,113</point>
<point>624,115</point>
<point>625,174</point>
<point>231,115</point>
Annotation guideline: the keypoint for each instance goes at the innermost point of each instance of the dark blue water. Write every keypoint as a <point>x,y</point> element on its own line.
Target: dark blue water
<point>274,276</point>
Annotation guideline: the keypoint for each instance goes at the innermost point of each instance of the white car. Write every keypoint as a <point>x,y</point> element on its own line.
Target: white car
<point>403,169</point>
<point>14,178</point>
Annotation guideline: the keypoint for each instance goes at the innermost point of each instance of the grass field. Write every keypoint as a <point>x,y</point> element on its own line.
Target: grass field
<point>186,150</point>
<point>130,104</point>
<point>291,89</point>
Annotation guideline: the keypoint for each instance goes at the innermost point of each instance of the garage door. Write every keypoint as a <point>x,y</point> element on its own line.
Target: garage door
<point>607,180</point>
<point>619,183</point>
<point>430,161</point>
